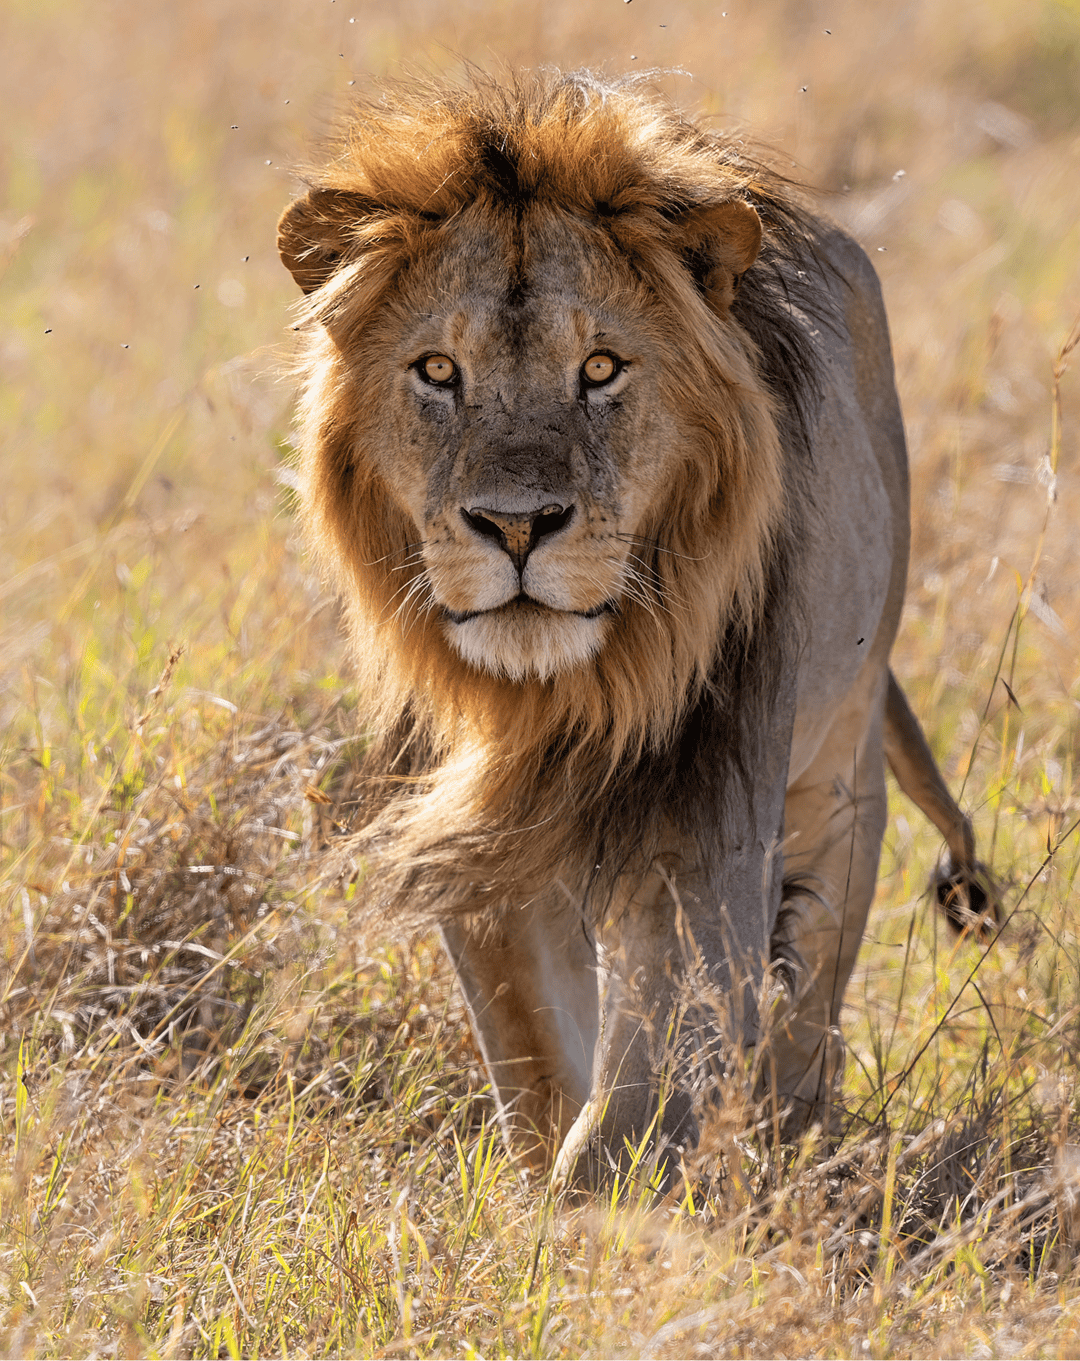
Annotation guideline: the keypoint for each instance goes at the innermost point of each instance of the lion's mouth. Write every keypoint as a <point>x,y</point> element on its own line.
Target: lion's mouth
<point>523,603</point>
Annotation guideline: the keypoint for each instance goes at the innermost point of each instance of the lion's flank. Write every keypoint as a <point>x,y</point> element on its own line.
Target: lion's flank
<point>480,788</point>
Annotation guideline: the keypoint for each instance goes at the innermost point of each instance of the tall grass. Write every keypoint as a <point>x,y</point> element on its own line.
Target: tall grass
<point>230,1125</point>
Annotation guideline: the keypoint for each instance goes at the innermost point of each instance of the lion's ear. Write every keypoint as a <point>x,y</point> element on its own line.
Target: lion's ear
<point>722,242</point>
<point>316,234</point>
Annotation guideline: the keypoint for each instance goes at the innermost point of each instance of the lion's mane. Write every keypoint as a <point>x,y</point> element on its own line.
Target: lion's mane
<point>482,790</point>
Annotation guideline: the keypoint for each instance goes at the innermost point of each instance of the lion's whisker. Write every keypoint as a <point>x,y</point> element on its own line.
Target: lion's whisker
<point>655,546</point>
<point>411,561</point>
<point>409,549</point>
<point>408,590</point>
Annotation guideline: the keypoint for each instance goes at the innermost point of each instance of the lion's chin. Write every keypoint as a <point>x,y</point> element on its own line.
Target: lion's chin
<point>527,643</point>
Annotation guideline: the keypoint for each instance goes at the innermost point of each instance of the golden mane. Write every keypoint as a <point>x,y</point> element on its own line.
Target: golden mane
<point>481,786</point>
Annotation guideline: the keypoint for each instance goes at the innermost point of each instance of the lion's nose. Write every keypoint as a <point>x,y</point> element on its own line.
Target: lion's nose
<point>518,533</point>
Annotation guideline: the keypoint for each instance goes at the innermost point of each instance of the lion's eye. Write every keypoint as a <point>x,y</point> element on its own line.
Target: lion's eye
<point>599,368</point>
<point>438,369</point>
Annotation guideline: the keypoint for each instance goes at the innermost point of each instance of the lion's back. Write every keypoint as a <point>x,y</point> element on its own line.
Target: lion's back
<point>855,569</point>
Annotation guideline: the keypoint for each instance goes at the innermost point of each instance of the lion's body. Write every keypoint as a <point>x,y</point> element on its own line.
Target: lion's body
<point>619,507</point>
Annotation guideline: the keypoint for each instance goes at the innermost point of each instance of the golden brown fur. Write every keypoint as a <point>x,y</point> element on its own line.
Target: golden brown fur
<point>508,778</point>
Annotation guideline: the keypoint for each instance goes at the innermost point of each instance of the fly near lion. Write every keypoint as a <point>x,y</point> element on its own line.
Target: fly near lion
<point>600,442</point>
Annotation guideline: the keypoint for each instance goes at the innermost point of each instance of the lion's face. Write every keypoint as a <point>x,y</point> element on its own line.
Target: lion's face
<point>528,436</point>
<point>534,438</point>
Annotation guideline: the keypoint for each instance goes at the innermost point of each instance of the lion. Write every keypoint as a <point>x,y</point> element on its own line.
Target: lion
<point>599,441</point>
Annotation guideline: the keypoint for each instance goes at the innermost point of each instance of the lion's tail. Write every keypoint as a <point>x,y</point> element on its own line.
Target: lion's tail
<point>964,887</point>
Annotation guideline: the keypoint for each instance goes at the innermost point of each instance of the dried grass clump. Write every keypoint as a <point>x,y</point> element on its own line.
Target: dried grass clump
<point>179,900</point>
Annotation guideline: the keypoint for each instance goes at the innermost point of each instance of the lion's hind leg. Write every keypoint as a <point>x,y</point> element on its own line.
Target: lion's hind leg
<point>834,820</point>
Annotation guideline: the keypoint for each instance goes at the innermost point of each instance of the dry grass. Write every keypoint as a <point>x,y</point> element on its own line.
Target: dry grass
<point>231,1127</point>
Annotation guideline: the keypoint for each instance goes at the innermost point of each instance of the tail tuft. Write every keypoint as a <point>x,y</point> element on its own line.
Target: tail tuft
<point>969,899</point>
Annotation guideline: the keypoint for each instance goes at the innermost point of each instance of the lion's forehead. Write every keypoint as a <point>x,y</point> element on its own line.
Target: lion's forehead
<point>536,296</point>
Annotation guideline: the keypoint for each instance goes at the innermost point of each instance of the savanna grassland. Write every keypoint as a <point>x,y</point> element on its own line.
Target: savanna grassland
<point>231,1124</point>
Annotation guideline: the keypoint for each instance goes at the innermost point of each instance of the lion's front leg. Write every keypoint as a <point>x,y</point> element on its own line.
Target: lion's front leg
<point>529,980</point>
<point>683,958</point>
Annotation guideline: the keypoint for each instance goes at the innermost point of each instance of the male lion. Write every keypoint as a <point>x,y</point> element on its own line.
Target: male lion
<point>601,445</point>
